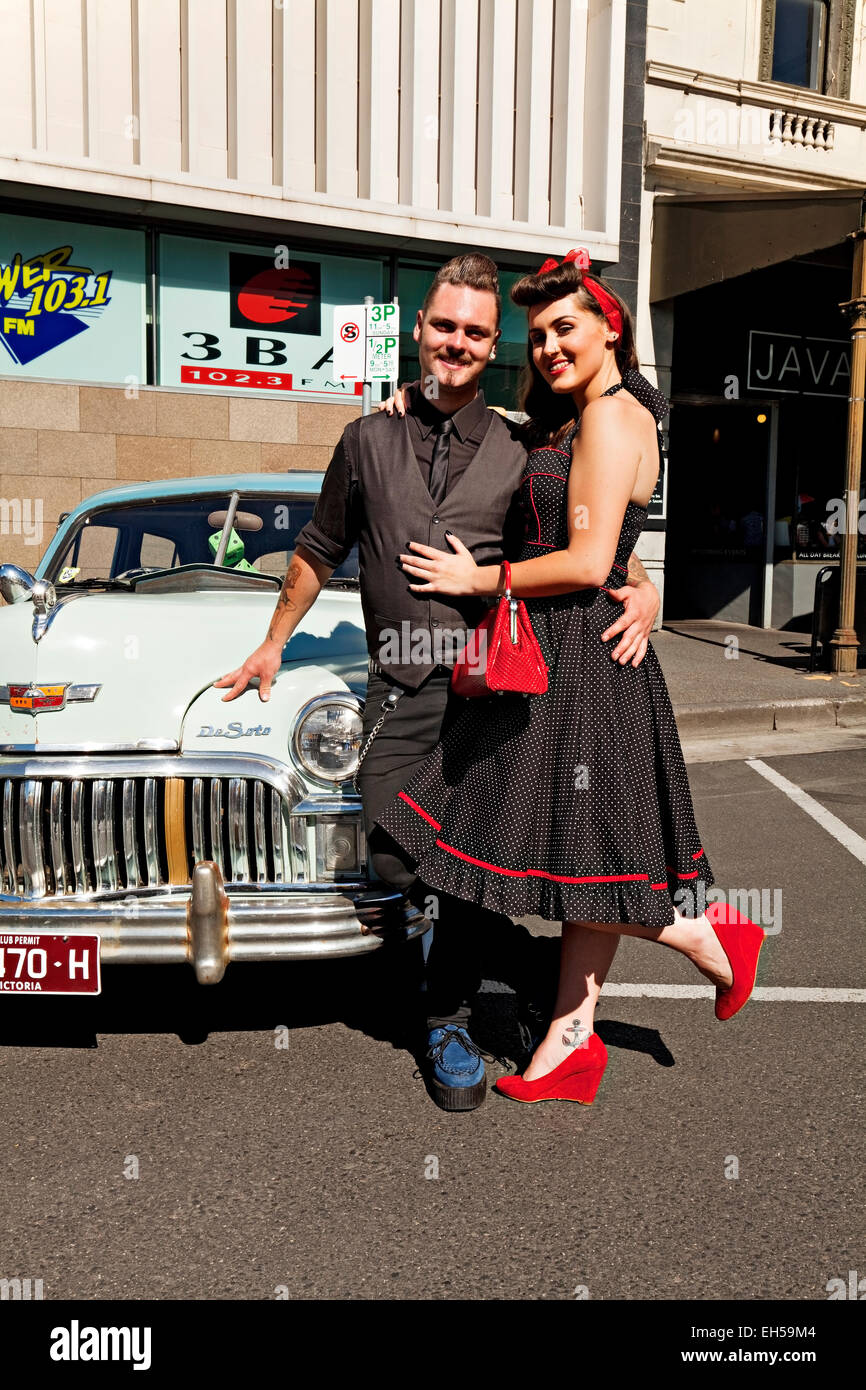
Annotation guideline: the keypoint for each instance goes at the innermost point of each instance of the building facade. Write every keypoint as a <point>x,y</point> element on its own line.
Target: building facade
<point>755,168</point>
<point>190,187</point>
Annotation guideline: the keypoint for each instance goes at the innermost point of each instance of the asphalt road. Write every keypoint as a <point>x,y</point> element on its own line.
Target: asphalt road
<point>719,1161</point>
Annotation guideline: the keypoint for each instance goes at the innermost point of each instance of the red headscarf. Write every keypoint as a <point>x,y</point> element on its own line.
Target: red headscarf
<point>608,306</point>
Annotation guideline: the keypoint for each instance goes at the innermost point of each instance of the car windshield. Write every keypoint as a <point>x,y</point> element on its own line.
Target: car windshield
<point>114,542</point>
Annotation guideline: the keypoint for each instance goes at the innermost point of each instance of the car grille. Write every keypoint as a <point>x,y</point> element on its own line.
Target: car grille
<point>65,835</point>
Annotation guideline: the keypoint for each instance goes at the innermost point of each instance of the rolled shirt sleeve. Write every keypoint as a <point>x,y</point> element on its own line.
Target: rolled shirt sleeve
<point>335,524</point>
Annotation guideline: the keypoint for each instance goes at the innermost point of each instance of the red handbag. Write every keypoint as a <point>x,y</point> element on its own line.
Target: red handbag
<point>502,653</point>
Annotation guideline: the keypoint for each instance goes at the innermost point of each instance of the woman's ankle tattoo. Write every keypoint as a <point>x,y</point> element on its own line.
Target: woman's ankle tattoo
<point>581,1037</point>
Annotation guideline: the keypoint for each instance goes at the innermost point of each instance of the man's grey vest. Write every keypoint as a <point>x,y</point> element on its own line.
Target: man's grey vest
<point>408,633</point>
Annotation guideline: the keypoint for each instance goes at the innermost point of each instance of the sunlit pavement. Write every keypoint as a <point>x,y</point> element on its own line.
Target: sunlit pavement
<point>282,1143</point>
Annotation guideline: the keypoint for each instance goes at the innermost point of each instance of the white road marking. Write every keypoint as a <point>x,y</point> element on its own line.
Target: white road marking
<point>854,843</point>
<point>792,994</point>
<point>771,994</point>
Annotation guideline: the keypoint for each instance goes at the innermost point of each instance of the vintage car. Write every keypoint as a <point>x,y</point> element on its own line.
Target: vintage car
<point>143,819</point>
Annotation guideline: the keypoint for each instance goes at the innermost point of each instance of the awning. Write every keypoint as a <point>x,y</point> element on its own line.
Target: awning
<point>699,241</point>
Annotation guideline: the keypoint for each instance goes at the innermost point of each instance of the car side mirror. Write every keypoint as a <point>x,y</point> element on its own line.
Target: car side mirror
<point>16,584</point>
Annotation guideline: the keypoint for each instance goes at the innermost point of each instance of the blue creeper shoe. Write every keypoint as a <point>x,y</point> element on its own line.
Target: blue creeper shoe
<point>457,1079</point>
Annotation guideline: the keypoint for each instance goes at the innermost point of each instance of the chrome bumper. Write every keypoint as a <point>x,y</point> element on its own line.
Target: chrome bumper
<point>210,925</point>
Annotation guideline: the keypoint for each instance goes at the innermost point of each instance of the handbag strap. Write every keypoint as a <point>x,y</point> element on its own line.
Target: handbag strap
<point>507,567</point>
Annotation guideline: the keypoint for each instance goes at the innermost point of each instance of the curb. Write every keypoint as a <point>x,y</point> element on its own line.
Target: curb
<point>784,716</point>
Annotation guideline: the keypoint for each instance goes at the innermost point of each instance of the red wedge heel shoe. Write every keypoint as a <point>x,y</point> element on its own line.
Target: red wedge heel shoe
<point>741,941</point>
<point>577,1078</point>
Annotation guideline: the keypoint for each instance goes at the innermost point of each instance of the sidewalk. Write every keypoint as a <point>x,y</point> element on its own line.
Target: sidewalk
<point>765,685</point>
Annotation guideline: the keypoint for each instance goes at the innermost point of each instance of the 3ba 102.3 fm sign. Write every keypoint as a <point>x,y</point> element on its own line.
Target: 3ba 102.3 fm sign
<point>275,322</point>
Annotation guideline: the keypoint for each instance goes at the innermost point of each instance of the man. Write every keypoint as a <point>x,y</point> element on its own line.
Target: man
<point>451,465</point>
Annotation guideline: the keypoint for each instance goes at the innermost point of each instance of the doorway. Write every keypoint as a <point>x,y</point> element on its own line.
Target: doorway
<point>721,510</point>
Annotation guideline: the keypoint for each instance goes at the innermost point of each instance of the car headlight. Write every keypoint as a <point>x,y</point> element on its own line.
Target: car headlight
<point>327,737</point>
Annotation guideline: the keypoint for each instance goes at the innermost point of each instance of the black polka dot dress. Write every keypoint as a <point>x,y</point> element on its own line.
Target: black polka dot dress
<point>573,805</point>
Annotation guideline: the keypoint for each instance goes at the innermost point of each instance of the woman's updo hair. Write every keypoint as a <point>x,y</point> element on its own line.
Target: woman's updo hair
<point>551,415</point>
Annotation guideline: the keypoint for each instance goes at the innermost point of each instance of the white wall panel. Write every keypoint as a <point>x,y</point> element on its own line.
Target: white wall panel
<point>16,92</point>
<point>296,96</point>
<point>458,124</point>
<point>206,136</point>
<point>159,82</point>
<point>496,59</point>
<point>419,103</point>
<point>566,138</point>
<point>602,157</point>
<point>379,99</point>
<point>64,78</point>
<point>250,132</point>
<point>532,114</point>
<point>337,97</point>
<point>112,102</point>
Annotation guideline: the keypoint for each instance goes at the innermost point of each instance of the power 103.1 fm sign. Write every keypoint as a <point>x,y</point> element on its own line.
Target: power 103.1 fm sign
<point>240,317</point>
<point>72,301</point>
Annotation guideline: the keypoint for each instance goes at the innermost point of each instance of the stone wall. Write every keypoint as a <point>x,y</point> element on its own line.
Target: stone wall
<point>61,443</point>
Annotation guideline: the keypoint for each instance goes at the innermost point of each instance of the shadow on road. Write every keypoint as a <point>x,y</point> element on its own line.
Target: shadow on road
<point>379,995</point>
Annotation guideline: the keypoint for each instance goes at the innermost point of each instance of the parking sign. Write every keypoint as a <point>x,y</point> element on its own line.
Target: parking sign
<point>349,339</point>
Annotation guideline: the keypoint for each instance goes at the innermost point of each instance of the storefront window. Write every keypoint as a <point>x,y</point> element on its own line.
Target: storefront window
<point>72,301</point>
<point>236,316</point>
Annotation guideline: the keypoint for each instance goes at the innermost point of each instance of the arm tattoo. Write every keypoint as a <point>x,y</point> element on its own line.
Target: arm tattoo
<point>293,574</point>
<point>636,572</point>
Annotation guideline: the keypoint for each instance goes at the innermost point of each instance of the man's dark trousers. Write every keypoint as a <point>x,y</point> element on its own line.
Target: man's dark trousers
<point>466,937</point>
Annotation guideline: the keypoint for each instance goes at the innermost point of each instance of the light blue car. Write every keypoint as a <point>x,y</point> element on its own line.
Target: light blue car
<point>143,819</point>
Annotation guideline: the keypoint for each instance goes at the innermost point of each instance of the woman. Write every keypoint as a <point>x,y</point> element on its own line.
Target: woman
<point>574,805</point>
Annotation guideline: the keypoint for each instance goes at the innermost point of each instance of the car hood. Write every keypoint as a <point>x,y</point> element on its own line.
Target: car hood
<point>153,654</point>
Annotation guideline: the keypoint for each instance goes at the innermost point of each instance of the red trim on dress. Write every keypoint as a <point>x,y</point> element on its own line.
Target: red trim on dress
<point>415,807</point>
<point>535,509</point>
<point>542,873</point>
<point>537,873</point>
<point>550,449</point>
<point>538,473</point>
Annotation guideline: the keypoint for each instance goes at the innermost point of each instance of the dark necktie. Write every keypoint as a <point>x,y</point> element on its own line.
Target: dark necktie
<point>439,467</point>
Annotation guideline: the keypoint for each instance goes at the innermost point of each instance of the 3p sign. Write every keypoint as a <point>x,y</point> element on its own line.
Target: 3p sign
<point>382,320</point>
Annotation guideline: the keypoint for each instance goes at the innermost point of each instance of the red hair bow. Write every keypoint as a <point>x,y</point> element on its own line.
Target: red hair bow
<point>608,306</point>
<point>580,257</point>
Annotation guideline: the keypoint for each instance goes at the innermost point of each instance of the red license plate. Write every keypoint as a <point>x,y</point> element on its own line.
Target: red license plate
<point>36,963</point>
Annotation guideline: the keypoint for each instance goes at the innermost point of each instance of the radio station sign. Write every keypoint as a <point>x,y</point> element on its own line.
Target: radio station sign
<point>260,319</point>
<point>72,301</point>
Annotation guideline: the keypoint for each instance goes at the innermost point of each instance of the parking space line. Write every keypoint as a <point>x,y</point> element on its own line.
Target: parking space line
<point>770,994</point>
<point>791,994</point>
<point>854,843</point>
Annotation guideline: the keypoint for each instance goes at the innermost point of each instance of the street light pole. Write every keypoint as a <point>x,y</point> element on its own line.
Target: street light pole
<point>844,643</point>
